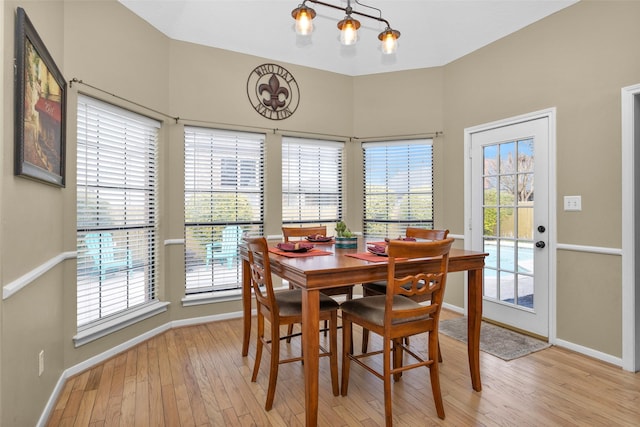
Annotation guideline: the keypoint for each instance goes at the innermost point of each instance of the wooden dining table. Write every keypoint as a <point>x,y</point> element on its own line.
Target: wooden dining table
<point>312,274</point>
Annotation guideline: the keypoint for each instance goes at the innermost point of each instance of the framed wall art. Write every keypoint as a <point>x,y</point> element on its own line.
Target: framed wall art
<point>40,108</point>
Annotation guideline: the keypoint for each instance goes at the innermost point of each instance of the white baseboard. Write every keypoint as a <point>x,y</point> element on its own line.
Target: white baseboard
<point>604,357</point>
<point>453,308</point>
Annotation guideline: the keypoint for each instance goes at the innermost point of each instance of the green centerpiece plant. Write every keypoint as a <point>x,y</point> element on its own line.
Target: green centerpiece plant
<point>345,239</point>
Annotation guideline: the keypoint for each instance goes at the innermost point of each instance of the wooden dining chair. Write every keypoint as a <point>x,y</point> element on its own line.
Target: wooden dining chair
<point>301,233</point>
<point>380,287</point>
<point>396,315</point>
<point>280,309</point>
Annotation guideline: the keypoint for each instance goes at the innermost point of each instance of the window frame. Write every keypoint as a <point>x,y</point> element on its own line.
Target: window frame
<point>308,156</point>
<point>204,229</point>
<point>127,222</point>
<point>410,154</point>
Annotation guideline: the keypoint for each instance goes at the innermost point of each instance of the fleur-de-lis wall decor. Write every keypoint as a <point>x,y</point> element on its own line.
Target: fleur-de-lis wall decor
<point>273,92</point>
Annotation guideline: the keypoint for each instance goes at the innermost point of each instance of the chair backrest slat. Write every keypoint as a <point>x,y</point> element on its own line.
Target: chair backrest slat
<point>258,251</point>
<point>431,281</point>
<point>300,232</point>
<point>427,234</point>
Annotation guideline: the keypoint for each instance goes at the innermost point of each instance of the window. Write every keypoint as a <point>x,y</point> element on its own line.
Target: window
<point>223,200</point>
<point>116,211</point>
<point>398,186</point>
<point>311,181</point>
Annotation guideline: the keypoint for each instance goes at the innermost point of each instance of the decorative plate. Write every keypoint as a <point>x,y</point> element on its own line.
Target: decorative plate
<point>406,239</point>
<point>319,238</point>
<point>379,250</point>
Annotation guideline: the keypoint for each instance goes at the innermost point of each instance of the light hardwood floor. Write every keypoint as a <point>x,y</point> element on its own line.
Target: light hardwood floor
<point>195,376</point>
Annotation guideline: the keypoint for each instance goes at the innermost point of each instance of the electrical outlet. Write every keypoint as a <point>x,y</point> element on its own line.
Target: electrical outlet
<point>41,362</point>
<point>573,203</point>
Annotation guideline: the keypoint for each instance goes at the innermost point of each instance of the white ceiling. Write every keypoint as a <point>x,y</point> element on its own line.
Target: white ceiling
<point>434,32</point>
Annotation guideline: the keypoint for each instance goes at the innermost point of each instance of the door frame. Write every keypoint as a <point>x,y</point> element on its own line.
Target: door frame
<point>630,296</point>
<point>550,115</point>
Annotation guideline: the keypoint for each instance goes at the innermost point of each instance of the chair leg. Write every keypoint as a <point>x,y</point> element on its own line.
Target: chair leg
<point>346,351</point>
<point>397,358</point>
<point>259,345</point>
<point>365,332</point>
<point>289,333</point>
<point>435,375</point>
<point>365,339</point>
<point>290,328</point>
<point>333,349</point>
<point>388,417</point>
<point>275,363</point>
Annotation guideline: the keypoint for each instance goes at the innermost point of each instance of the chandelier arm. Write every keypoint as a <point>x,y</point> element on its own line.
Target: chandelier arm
<point>370,7</point>
<point>354,12</point>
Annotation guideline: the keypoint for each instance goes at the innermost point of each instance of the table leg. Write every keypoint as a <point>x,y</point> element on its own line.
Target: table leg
<point>474,297</point>
<point>246,307</point>
<point>311,349</point>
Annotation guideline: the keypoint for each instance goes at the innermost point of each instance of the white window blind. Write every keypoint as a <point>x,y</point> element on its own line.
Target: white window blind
<point>311,181</point>
<point>398,186</point>
<point>224,175</point>
<point>116,210</point>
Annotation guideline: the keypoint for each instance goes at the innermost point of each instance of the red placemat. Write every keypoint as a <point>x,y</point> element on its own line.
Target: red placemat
<point>366,256</point>
<point>312,252</point>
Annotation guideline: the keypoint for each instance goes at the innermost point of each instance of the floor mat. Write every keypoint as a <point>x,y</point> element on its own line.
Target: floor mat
<point>495,340</point>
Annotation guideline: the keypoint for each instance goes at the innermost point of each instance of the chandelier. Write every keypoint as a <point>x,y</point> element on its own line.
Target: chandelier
<point>348,26</point>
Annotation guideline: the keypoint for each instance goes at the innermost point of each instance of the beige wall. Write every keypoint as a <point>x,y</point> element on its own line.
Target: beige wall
<point>581,297</point>
<point>31,221</point>
<point>576,60</point>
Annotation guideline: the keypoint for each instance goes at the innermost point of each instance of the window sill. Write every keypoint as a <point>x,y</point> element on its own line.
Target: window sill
<point>212,297</point>
<point>117,323</point>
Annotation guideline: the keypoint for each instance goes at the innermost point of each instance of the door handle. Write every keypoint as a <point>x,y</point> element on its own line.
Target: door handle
<point>540,244</point>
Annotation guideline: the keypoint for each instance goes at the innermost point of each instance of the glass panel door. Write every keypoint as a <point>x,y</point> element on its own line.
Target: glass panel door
<point>509,221</point>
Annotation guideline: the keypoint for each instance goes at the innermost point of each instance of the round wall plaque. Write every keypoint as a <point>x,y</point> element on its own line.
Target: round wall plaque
<point>273,92</point>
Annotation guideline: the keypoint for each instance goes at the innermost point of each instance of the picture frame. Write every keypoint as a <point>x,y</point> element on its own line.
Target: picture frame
<point>40,108</point>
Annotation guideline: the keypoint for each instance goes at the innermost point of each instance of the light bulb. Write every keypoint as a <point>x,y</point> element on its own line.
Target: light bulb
<point>348,31</point>
<point>304,24</point>
<point>303,16</point>
<point>389,44</point>
<point>389,39</point>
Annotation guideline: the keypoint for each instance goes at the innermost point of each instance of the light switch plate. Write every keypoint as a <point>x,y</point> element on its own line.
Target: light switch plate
<point>572,203</point>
